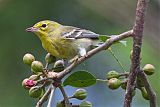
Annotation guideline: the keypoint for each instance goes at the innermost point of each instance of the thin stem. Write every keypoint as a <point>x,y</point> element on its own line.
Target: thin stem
<point>75,106</point>
<point>44,73</point>
<point>45,70</point>
<point>126,74</point>
<point>70,97</point>
<point>151,93</point>
<point>51,96</point>
<point>46,66</point>
<point>101,80</point>
<point>116,58</point>
<point>66,100</point>
<point>43,99</point>
<point>43,80</point>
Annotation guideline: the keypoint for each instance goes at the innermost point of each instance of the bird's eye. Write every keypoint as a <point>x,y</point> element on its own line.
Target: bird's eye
<point>44,25</point>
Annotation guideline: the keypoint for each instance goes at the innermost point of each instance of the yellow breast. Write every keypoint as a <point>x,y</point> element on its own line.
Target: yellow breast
<point>59,47</point>
<point>48,46</point>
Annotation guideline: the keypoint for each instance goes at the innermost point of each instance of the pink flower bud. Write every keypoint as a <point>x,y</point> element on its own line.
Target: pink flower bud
<point>27,83</point>
<point>30,83</point>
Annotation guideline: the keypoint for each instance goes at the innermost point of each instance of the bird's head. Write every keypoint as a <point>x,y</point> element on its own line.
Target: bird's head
<point>43,28</point>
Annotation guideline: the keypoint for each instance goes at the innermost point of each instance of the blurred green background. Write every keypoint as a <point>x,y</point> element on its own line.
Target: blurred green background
<point>100,16</point>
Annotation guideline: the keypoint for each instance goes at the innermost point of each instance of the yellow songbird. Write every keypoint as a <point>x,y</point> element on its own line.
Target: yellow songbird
<point>64,41</point>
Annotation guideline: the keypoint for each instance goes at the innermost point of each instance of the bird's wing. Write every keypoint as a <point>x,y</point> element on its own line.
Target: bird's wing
<point>77,33</point>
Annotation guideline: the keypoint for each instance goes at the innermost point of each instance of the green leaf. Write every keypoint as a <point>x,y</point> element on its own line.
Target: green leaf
<point>123,42</point>
<point>103,38</point>
<point>80,79</point>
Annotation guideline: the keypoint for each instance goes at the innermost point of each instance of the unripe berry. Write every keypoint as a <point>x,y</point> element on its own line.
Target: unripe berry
<point>36,67</point>
<point>34,77</point>
<point>85,104</point>
<point>59,104</point>
<point>35,72</point>
<point>27,83</point>
<point>42,93</point>
<point>112,74</point>
<point>139,81</point>
<point>80,94</point>
<point>133,93</point>
<point>35,92</point>
<point>149,69</point>
<point>50,59</point>
<point>58,66</point>
<point>28,59</point>
<point>124,85</point>
<point>144,93</point>
<point>47,83</point>
<point>114,83</point>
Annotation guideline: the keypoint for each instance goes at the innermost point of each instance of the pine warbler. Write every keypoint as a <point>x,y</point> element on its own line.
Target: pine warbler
<point>64,41</point>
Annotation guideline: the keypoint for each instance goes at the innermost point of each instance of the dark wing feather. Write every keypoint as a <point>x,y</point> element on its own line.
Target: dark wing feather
<point>78,33</point>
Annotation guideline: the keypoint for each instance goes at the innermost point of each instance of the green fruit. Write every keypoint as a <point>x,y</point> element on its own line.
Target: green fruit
<point>36,92</point>
<point>139,81</point>
<point>34,77</point>
<point>80,94</point>
<point>59,104</point>
<point>43,92</point>
<point>149,69</point>
<point>50,59</point>
<point>28,59</point>
<point>144,93</point>
<point>35,72</point>
<point>112,74</point>
<point>133,93</point>
<point>124,85</point>
<point>36,67</point>
<point>47,83</point>
<point>59,66</point>
<point>85,104</point>
<point>114,83</point>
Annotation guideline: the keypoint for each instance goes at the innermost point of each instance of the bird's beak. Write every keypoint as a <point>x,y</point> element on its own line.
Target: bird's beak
<point>32,29</point>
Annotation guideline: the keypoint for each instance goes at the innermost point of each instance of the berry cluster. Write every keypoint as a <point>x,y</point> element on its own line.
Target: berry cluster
<point>42,77</point>
<point>115,80</point>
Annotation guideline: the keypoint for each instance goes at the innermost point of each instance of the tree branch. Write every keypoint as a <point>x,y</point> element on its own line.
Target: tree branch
<point>104,46</point>
<point>66,100</point>
<point>51,96</point>
<point>43,99</point>
<point>151,93</point>
<point>137,42</point>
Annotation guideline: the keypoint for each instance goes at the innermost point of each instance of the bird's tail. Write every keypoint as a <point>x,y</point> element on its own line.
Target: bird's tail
<point>100,40</point>
<point>97,43</point>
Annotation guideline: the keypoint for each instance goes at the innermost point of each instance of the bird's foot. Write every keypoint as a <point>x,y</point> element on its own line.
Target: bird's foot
<point>74,60</point>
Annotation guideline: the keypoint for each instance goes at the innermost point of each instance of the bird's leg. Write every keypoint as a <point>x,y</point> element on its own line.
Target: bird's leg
<point>82,51</point>
<point>86,55</point>
<point>75,59</point>
<point>46,66</point>
<point>65,62</point>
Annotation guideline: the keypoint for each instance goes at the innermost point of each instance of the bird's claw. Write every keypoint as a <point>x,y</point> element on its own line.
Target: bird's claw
<point>75,59</point>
